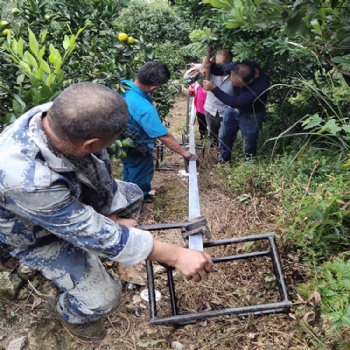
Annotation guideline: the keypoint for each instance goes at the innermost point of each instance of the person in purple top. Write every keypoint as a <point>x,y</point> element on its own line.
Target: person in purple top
<point>248,106</point>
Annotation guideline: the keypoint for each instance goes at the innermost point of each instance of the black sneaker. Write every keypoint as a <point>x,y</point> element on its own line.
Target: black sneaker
<point>87,332</point>
<point>149,198</point>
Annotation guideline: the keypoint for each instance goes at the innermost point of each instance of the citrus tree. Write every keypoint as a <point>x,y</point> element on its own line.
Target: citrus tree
<point>319,27</point>
<point>165,31</point>
<point>39,76</point>
<point>99,55</point>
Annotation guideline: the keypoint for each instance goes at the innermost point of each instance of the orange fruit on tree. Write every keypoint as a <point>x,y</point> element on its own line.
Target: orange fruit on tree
<point>123,154</point>
<point>130,40</point>
<point>123,36</point>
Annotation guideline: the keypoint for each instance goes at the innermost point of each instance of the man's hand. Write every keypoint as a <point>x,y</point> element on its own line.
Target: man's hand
<point>208,85</point>
<point>206,62</point>
<point>122,221</point>
<point>193,264</point>
<point>193,157</point>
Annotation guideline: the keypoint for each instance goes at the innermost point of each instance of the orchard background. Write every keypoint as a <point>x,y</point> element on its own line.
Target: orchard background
<point>303,163</point>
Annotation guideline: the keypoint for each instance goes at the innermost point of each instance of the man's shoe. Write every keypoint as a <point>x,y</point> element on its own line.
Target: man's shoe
<point>149,198</point>
<point>87,332</point>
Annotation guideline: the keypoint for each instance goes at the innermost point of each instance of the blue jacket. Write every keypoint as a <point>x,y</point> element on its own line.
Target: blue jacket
<point>144,123</point>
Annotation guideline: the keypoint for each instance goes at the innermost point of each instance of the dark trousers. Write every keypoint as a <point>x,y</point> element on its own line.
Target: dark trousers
<point>213,123</point>
<point>249,125</point>
<point>202,124</point>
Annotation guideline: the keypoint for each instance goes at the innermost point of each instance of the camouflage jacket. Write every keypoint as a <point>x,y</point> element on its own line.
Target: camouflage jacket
<point>44,195</point>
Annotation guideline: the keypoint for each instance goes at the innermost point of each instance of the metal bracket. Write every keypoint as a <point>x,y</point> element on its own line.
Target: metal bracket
<point>180,319</point>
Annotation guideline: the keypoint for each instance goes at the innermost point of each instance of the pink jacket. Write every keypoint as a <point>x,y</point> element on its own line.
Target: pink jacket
<point>199,96</point>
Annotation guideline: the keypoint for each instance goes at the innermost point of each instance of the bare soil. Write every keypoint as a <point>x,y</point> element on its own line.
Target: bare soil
<point>232,284</point>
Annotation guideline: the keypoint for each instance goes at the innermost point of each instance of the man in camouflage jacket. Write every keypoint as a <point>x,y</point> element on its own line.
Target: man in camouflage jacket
<point>61,209</point>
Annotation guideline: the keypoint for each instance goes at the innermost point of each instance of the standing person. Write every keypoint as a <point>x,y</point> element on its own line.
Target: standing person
<point>61,209</point>
<point>200,96</point>
<point>248,107</point>
<point>214,107</point>
<point>144,126</point>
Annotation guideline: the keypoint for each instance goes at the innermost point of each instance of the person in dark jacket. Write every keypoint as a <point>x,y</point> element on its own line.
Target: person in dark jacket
<point>248,106</point>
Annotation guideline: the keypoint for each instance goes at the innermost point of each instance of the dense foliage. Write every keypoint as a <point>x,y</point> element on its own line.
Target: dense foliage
<point>85,35</point>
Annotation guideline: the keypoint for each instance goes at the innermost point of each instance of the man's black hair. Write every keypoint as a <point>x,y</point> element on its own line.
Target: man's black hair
<point>153,73</point>
<point>88,110</point>
<point>226,53</point>
<point>244,69</point>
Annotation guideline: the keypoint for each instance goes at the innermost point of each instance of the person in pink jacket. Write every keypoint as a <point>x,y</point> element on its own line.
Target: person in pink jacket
<point>200,96</point>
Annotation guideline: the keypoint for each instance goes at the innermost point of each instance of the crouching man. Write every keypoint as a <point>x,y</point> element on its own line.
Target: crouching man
<point>61,209</point>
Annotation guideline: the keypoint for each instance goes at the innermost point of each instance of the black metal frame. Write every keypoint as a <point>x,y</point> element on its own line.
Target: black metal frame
<point>262,309</point>
<point>195,241</point>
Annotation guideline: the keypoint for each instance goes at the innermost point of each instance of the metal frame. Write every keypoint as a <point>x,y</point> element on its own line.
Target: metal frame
<point>257,310</point>
<point>195,241</point>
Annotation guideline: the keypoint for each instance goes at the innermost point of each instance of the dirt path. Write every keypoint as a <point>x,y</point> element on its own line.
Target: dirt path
<point>233,284</point>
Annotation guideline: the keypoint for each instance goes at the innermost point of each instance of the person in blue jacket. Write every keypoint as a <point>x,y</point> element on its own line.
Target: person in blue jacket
<point>248,106</point>
<point>61,210</point>
<point>144,126</point>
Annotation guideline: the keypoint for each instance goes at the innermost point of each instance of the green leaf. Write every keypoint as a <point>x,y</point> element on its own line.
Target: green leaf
<point>43,35</point>
<point>346,128</point>
<point>33,43</point>
<point>34,81</point>
<point>41,52</point>
<point>45,94</point>
<point>118,143</point>
<point>29,58</point>
<point>19,100</point>
<point>312,121</point>
<point>66,42</point>
<point>20,47</point>
<point>341,59</point>
<point>46,68</point>
<point>39,72</point>
<point>331,126</point>
<point>218,3</point>
<point>50,79</point>
<point>111,150</point>
<point>294,23</point>
<point>59,78</point>
<point>55,58</point>
<point>14,46</point>
<point>346,320</point>
<point>20,79</point>
<point>17,108</point>
<point>25,68</point>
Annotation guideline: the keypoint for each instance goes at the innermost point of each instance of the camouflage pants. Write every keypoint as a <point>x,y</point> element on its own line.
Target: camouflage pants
<point>88,290</point>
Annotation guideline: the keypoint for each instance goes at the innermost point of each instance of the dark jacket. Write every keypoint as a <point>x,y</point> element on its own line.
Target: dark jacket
<point>247,99</point>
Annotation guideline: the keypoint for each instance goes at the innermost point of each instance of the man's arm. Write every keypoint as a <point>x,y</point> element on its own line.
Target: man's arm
<point>244,99</point>
<point>171,143</point>
<point>193,264</point>
<point>57,211</point>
